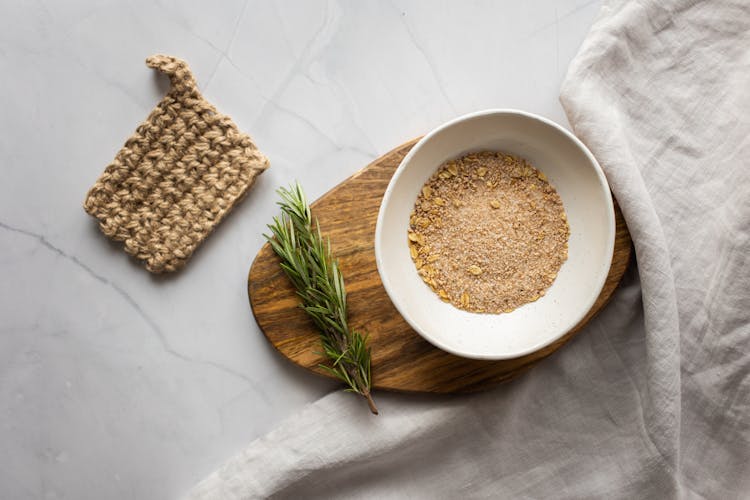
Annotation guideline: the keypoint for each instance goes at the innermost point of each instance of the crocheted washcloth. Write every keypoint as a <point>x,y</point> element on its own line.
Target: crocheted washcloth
<point>177,177</point>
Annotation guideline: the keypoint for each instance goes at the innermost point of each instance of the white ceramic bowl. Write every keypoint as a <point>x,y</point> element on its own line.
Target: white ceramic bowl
<point>579,180</point>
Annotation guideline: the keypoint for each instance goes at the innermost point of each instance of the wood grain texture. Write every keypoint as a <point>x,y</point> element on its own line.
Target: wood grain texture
<point>401,359</point>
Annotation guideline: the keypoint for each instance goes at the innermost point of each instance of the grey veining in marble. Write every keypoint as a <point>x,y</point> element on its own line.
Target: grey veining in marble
<point>118,384</point>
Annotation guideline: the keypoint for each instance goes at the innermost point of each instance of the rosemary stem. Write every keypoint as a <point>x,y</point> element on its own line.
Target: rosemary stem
<point>371,403</point>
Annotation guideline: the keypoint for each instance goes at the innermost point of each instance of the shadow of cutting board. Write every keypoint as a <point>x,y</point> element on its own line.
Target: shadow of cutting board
<point>401,359</point>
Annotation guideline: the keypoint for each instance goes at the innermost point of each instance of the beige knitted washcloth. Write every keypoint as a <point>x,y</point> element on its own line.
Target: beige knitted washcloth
<point>177,177</point>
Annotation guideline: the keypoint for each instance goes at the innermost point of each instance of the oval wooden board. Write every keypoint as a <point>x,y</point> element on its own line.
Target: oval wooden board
<point>401,359</point>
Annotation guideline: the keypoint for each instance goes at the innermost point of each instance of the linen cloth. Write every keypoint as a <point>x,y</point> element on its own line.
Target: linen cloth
<point>652,399</point>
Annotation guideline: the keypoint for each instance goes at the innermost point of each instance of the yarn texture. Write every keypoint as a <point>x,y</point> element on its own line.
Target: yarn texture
<point>177,177</point>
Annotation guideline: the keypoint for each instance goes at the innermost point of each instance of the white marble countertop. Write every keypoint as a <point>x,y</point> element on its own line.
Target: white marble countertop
<point>118,384</point>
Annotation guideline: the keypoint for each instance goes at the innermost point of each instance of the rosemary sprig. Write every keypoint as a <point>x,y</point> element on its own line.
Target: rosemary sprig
<point>306,260</point>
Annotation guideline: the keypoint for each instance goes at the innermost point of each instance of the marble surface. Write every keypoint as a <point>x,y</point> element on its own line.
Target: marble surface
<point>118,384</point>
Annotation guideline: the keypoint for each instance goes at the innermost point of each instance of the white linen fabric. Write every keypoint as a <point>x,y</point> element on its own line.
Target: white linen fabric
<point>652,399</point>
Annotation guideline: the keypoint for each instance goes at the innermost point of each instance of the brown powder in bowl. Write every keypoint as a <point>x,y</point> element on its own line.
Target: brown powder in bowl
<point>488,232</point>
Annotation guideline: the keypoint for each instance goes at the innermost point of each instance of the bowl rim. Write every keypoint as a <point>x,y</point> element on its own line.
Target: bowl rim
<point>603,273</point>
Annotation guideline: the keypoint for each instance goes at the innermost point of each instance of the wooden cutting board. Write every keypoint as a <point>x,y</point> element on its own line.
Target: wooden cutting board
<point>401,359</point>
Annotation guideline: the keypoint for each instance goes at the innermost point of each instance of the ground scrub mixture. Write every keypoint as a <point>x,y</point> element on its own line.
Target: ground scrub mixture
<point>488,232</point>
